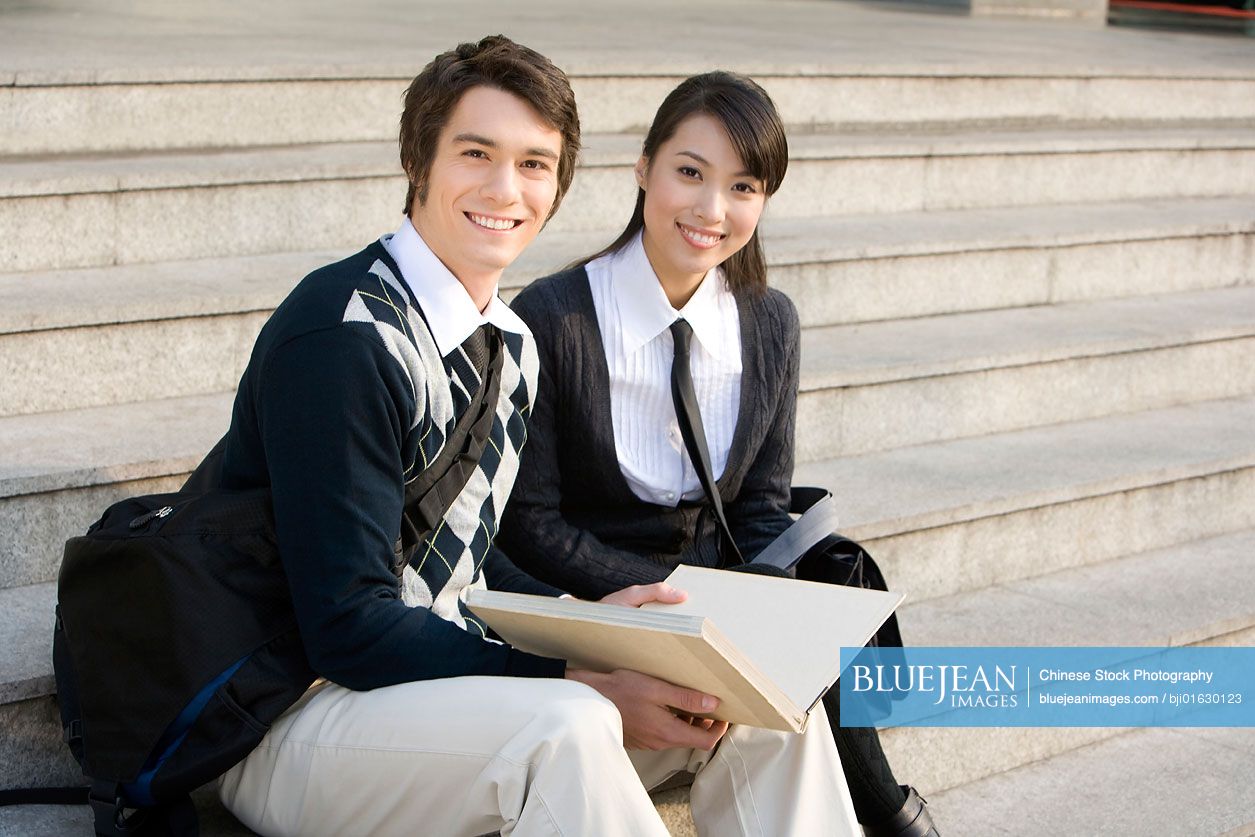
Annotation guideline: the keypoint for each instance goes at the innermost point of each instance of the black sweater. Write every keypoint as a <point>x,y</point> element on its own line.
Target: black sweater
<point>334,414</point>
<point>572,520</point>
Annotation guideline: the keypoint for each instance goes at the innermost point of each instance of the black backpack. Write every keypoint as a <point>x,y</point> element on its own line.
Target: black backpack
<point>176,645</point>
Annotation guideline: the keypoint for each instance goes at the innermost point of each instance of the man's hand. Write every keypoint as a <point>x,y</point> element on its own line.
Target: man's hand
<point>645,704</point>
<point>649,706</point>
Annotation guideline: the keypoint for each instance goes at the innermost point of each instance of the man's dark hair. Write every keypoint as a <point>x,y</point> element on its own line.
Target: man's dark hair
<point>753,125</point>
<point>496,61</point>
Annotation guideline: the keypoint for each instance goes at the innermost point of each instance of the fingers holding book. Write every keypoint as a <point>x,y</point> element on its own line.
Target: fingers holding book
<point>649,708</point>
<point>639,594</point>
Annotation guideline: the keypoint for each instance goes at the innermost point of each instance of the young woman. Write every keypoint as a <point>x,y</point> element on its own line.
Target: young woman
<point>606,494</point>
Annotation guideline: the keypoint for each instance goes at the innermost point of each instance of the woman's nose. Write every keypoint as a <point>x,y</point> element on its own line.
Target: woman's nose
<point>710,206</point>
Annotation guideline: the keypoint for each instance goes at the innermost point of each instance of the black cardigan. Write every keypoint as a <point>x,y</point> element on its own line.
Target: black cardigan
<point>572,520</point>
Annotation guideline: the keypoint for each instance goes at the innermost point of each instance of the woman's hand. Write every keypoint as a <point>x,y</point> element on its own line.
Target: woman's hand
<point>645,704</point>
<point>639,594</point>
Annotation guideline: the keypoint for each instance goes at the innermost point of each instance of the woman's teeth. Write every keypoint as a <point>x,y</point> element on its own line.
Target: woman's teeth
<point>699,238</point>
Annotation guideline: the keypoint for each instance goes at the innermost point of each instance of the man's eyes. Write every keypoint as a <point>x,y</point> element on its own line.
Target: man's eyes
<point>531,164</point>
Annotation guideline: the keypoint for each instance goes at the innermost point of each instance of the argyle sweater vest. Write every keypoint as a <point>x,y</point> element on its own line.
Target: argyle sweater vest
<point>392,359</point>
<point>452,555</point>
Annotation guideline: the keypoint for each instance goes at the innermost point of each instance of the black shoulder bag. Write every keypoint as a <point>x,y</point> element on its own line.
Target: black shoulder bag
<point>176,645</point>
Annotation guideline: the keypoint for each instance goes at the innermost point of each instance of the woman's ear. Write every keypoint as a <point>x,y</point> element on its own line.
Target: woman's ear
<point>641,169</point>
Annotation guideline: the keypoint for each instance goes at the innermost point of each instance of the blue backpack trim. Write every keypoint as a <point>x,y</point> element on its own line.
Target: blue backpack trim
<point>139,792</point>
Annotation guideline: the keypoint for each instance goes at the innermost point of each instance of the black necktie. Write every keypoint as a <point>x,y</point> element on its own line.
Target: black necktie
<point>690,418</point>
<point>476,348</point>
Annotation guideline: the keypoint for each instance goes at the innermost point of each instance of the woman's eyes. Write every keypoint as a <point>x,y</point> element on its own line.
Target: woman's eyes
<point>692,173</point>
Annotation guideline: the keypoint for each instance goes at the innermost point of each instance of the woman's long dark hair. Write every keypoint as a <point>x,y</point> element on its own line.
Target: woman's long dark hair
<point>749,116</point>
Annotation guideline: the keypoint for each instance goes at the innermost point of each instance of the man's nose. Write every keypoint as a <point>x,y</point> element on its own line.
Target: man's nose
<point>502,185</point>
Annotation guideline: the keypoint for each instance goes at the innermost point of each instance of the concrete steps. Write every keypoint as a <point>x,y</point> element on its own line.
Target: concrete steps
<point>868,390</point>
<point>78,338</point>
<point>64,212</point>
<point>1024,257</point>
<point>1168,782</point>
<point>65,113</point>
<point>982,781</point>
<point>960,515</point>
<point>878,386</point>
<point>1139,599</point>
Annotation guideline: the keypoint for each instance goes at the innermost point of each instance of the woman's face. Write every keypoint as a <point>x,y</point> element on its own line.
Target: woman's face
<point>701,205</point>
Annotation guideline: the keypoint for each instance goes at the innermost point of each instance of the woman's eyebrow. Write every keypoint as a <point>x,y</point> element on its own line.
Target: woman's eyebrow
<point>699,158</point>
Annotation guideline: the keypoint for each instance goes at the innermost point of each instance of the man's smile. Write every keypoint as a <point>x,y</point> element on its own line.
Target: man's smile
<point>490,222</point>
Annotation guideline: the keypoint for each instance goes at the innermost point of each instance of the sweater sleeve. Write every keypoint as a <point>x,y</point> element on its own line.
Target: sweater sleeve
<point>534,531</point>
<point>760,511</point>
<point>333,408</point>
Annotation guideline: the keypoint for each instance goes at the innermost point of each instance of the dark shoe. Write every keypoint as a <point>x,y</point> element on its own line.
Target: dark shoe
<point>912,820</point>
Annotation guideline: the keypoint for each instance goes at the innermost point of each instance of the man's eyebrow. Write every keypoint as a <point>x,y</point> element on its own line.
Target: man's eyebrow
<point>699,158</point>
<point>477,139</point>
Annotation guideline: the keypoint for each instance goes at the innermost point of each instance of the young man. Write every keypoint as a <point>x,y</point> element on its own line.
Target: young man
<point>423,725</point>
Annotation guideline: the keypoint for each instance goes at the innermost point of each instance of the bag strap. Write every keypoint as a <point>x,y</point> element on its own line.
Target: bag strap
<point>819,510</point>
<point>44,796</point>
<point>431,494</point>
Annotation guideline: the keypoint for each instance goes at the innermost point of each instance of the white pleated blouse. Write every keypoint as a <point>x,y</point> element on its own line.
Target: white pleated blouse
<point>635,317</point>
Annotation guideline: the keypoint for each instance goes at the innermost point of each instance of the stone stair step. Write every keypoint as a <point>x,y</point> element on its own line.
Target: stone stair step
<point>194,80</point>
<point>1167,782</point>
<point>961,515</point>
<point>100,336</point>
<point>832,262</point>
<point>877,386</point>
<point>66,468</point>
<point>1136,600</point>
<point>1140,599</point>
<point>362,104</point>
<point>947,516</point>
<point>95,210</point>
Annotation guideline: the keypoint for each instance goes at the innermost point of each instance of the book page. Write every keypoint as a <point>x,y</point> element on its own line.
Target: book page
<point>792,631</point>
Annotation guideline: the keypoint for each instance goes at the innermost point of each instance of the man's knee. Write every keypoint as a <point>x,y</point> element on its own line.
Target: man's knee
<point>579,715</point>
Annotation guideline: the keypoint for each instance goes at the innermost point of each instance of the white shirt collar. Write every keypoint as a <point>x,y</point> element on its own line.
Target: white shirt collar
<point>645,312</point>
<point>451,313</point>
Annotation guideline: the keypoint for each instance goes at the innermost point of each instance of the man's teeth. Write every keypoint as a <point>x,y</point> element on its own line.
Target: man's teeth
<point>704,240</point>
<point>492,223</point>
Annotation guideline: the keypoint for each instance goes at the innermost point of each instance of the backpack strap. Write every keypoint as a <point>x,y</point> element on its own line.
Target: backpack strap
<point>44,796</point>
<point>114,818</point>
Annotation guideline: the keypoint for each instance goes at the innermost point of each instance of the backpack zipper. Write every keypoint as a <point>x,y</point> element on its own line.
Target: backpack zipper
<point>155,514</point>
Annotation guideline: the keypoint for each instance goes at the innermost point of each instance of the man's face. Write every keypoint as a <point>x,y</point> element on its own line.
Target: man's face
<point>492,183</point>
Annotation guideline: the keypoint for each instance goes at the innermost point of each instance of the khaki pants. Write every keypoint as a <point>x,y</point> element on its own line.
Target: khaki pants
<point>473,755</point>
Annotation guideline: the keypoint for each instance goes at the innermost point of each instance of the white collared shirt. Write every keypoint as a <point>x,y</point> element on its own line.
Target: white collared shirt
<point>450,311</point>
<point>635,317</point>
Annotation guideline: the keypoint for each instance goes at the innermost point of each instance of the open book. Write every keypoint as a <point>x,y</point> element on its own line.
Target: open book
<point>767,647</point>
